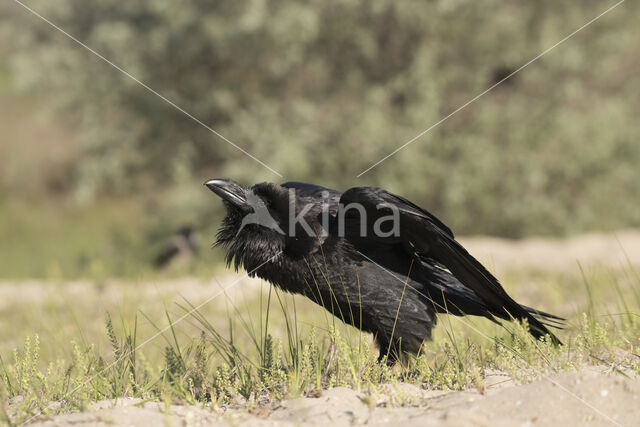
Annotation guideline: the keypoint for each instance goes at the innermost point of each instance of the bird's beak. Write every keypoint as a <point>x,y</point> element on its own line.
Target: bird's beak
<point>229,191</point>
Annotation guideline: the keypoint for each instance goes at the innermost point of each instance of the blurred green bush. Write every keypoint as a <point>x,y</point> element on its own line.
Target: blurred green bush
<point>320,90</point>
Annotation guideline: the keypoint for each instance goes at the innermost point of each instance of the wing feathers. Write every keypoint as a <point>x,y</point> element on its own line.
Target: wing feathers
<point>427,235</point>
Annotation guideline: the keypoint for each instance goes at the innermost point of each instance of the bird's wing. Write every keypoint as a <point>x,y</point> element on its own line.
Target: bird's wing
<point>422,235</point>
<point>311,190</point>
<point>317,192</point>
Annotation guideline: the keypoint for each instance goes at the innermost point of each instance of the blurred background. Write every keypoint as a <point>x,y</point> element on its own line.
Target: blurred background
<point>100,178</point>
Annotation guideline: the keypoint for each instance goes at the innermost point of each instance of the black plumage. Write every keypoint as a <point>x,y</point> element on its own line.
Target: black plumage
<point>389,284</point>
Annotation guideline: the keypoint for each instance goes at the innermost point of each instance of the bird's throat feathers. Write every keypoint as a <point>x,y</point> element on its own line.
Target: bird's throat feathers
<point>252,253</point>
<point>249,249</point>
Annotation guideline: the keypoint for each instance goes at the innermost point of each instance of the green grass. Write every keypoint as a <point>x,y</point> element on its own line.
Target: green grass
<point>269,346</point>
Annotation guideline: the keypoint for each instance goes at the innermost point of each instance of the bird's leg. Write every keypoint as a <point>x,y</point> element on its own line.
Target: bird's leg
<point>390,353</point>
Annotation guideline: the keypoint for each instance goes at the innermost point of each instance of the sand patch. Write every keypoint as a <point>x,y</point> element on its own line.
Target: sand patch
<point>590,397</point>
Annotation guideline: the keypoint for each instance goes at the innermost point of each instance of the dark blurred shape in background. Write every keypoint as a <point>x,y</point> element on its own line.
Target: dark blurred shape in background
<point>182,245</point>
<point>502,75</point>
<point>91,163</point>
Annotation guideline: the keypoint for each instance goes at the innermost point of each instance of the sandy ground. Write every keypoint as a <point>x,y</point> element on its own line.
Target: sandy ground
<point>591,397</point>
<point>614,250</point>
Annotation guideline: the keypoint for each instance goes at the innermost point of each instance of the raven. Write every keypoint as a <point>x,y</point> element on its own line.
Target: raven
<point>182,242</point>
<point>332,248</point>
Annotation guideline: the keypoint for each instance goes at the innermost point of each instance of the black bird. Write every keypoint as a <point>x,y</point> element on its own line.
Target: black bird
<point>370,257</point>
<point>182,243</point>
<point>504,75</point>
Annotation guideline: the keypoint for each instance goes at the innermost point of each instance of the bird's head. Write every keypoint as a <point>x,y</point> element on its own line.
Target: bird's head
<point>255,227</point>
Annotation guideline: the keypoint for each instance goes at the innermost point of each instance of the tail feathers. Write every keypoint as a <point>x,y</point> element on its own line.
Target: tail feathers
<point>459,302</point>
<point>548,319</point>
<point>539,332</point>
<point>450,296</point>
<point>476,277</point>
<point>537,322</point>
